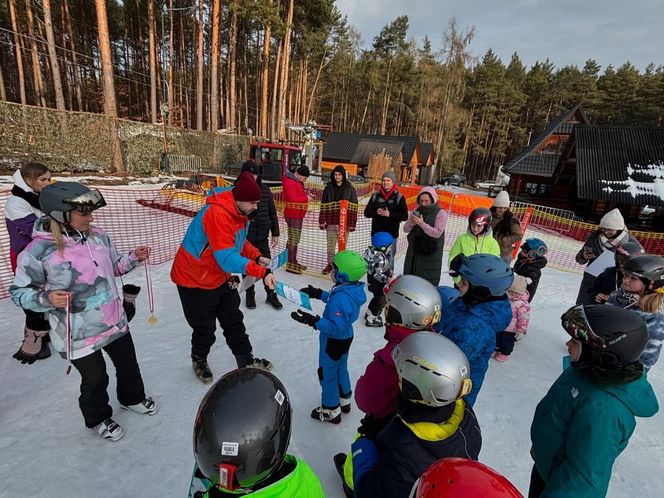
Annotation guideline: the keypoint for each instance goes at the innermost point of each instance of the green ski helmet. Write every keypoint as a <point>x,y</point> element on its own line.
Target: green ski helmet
<point>349,266</point>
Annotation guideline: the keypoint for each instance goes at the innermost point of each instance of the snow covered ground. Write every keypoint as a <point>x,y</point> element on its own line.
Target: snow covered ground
<point>46,451</point>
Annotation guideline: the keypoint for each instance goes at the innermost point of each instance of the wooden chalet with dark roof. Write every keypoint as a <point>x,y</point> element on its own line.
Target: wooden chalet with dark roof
<point>591,169</point>
<point>355,150</point>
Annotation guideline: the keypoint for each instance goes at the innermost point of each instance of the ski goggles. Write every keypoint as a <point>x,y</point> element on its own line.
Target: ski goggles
<point>88,202</point>
<point>575,322</point>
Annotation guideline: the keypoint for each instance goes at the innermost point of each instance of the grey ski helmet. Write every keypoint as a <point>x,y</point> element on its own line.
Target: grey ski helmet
<point>58,199</point>
<point>412,302</point>
<point>242,429</point>
<point>626,251</point>
<point>432,369</point>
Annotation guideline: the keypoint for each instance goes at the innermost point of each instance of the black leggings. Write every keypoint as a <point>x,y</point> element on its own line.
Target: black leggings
<point>537,484</point>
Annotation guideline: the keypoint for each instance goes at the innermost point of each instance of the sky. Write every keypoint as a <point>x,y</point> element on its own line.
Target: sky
<point>568,32</point>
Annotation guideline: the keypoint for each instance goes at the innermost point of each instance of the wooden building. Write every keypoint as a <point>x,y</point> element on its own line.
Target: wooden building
<point>591,169</point>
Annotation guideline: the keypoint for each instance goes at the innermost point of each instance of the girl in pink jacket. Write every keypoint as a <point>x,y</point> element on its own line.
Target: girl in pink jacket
<point>518,327</point>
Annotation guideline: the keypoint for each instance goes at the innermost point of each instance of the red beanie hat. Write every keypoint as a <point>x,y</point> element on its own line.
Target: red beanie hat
<point>246,189</point>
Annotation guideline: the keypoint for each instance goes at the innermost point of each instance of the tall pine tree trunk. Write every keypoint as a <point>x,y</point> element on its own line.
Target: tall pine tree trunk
<point>232,53</point>
<point>214,87</point>
<point>152,47</point>
<point>285,64</point>
<point>275,101</point>
<point>53,56</point>
<point>199,75</point>
<point>34,52</point>
<point>110,106</point>
<point>170,88</point>
<point>18,47</point>
<point>265,74</point>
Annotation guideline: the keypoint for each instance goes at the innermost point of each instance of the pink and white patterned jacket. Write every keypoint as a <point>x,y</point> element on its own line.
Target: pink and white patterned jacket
<point>520,313</point>
<point>87,268</point>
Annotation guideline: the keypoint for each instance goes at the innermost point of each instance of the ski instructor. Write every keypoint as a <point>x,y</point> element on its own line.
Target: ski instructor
<point>213,248</point>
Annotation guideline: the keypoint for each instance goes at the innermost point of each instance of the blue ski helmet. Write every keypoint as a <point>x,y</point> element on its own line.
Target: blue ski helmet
<point>382,241</point>
<point>535,247</point>
<point>486,273</point>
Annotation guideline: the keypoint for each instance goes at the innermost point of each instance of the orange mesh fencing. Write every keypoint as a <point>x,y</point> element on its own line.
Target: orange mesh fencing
<point>160,217</point>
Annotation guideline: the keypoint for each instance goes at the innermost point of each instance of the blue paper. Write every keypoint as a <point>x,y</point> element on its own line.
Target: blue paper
<point>293,295</point>
<point>279,260</point>
<point>567,361</point>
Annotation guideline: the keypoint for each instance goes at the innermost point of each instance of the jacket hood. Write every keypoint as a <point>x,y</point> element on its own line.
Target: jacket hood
<point>291,176</point>
<point>355,290</point>
<point>397,333</point>
<point>431,191</point>
<point>42,231</point>
<point>223,196</point>
<point>497,313</point>
<point>20,182</point>
<point>338,169</point>
<point>637,396</point>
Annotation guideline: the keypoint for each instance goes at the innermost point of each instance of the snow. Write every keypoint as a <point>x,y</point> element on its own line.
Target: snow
<point>636,188</point>
<point>46,450</point>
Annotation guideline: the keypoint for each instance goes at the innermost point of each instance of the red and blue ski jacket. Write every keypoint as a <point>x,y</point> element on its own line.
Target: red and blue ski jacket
<point>215,245</point>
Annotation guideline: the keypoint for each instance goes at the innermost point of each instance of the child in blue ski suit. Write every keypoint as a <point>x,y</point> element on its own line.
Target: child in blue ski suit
<point>342,309</point>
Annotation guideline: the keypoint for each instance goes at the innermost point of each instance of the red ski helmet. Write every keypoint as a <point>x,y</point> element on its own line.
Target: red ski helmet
<point>463,478</point>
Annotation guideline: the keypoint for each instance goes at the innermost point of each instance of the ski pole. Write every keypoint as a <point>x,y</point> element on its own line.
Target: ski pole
<point>68,338</point>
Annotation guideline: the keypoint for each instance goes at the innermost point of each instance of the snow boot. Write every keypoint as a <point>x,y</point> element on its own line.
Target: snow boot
<point>345,404</point>
<point>201,369</point>
<point>327,269</point>
<point>109,429</point>
<point>339,463</point>
<point>146,407</point>
<point>250,299</point>
<point>332,415</point>
<point>248,360</point>
<point>371,320</point>
<point>296,268</point>
<point>273,300</point>
<point>501,357</point>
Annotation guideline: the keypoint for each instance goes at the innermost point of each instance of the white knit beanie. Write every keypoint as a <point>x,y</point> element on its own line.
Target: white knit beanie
<point>502,200</point>
<point>612,220</point>
<point>519,284</point>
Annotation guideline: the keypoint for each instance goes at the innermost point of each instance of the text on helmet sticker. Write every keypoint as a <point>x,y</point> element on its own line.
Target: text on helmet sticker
<point>230,449</point>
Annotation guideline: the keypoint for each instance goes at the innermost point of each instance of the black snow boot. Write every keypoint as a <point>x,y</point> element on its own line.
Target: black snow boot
<point>248,360</point>
<point>273,300</point>
<point>250,300</point>
<point>339,462</point>
<point>201,369</point>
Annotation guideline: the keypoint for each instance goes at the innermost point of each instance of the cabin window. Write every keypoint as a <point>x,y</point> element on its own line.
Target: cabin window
<point>538,188</point>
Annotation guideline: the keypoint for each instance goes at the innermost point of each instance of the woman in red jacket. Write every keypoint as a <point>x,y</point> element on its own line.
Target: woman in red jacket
<point>295,209</point>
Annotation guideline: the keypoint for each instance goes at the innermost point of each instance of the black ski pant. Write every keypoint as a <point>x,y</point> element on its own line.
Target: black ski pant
<point>264,247</point>
<point>377,302</point>
<point>584,296</point>
<point>505,342</point>
<point>203,307</point>
<point>537,484</point>
<point>93,400</point>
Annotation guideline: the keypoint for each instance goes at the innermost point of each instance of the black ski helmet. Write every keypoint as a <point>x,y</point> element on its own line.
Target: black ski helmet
<point>648,268</point>
<point>616,336</point>
<point>626,251</point>
<point>242,429</point>
<point>480,216</point>
<point>58,199</point>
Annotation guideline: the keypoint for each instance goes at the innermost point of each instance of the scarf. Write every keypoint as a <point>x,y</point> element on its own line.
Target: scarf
<point>614,242</point>
<point>387,194</point>
<point>626,299</point>
<point>31,198</point>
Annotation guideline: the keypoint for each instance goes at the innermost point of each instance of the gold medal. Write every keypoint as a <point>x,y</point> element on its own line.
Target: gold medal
<point>152,320</point>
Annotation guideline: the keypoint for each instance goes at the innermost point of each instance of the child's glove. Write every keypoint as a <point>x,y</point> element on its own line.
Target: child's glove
<point>365,458</point>
<point>370,426</point>
<point>312,292</point>
<point>304,317</point>
<point>129,294</point>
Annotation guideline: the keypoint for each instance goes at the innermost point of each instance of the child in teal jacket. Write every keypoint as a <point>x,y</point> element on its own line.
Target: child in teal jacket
<point>586,419</point>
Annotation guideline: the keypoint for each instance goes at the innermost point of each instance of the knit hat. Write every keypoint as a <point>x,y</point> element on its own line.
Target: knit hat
<point>303,171</point>
<point>250,166</point>
<point>502,200</point>
<point>390,175</point>
<point>519,284</point>
<point>612,220</point>
<point>246,189</point>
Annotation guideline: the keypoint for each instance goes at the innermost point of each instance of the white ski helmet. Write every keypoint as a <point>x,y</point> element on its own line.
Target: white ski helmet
<point>412,302</point>
<point>432,370</point>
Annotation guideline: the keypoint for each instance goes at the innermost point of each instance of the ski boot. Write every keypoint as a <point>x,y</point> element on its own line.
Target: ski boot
<point>248,360</point>
<point>250,299</point>
<point>201,369</point>
<point>345,404</point>
<point>109,429</point>
<point>273,300</point>
<point>339,463</point>
<point>371,320</point>
<point>145,407</point>
<point>332,415</point>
